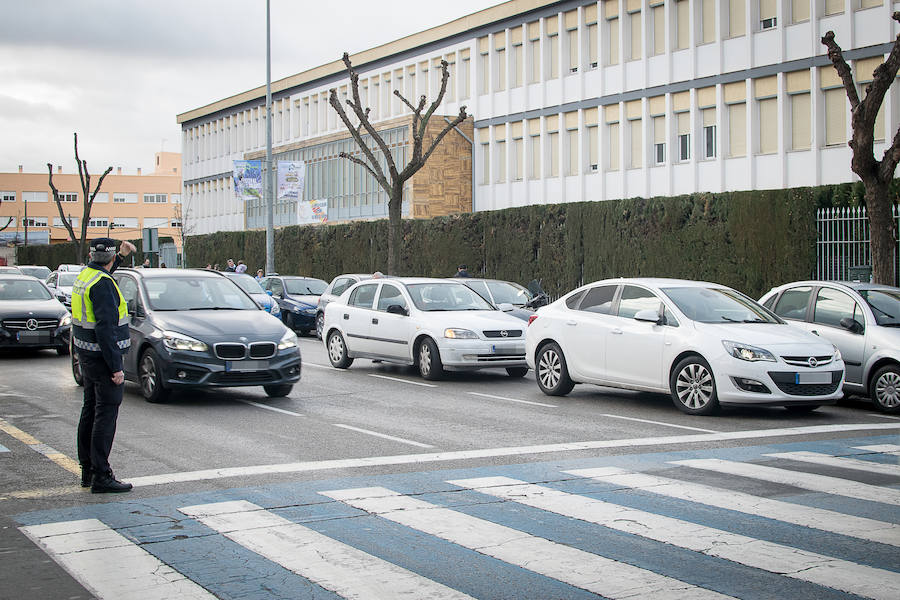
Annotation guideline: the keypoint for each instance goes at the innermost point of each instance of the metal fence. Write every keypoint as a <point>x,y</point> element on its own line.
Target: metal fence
<point>843,243</point>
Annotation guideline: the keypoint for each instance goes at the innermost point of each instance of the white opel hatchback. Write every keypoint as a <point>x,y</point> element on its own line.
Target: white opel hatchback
<point>705,344</point>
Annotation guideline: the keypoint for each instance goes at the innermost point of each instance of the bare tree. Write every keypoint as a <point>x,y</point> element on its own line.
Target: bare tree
<point>85,177</point>
<point>876,175</point>
<point>392,182</point>
<point>186,225</point>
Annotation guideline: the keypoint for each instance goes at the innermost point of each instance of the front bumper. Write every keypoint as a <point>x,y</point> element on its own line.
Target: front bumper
<point>301,321</point>
<point>778,384</point>
<point>482,354</point>
<point>45,338</point>
<point>186,369</point>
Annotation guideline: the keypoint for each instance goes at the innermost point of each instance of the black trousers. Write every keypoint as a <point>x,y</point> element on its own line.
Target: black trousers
<point>97,426</point>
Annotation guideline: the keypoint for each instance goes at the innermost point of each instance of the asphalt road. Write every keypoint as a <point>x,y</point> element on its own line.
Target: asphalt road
<point>373,421</point>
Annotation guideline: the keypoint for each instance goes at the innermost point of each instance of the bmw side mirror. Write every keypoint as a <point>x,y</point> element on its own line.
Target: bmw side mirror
<point>396,309</point>
<point>851,325</point>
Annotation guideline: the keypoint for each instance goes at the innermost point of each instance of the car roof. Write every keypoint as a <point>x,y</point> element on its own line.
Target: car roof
<point>660,282</point>
<point>154,273</point>
<point>17,277</point>
<point>853,285</point>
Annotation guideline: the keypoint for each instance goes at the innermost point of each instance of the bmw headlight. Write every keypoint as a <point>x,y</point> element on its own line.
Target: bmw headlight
<point>65,320</point>
<point>178,341</point>
<point>288,341</point>
<point>747,352</point>
<point>460,334</point>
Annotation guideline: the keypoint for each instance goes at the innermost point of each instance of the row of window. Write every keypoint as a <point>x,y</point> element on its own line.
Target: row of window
<point>101,197</point>
<point>104,222</point>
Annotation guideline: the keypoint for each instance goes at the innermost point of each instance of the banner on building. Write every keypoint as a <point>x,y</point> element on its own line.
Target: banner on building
<point>291,175</point>
<point>248,179</point>
<point>312,211</point>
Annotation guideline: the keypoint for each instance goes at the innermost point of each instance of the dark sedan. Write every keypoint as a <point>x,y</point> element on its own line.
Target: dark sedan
<point>30,317</point>
<point>297,297</point>
<point>197,329</point>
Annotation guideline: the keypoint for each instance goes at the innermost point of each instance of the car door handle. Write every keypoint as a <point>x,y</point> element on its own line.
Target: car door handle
<point>346,317</point>
<point>814,331</point>
<point>571,322</point>
<point>616,332</point>
<point>374,321</point>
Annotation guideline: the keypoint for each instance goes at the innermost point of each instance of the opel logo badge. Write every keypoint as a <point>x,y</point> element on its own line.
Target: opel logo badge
<point>31,324</point>
<point>812,361</point>
<point>504,333</point>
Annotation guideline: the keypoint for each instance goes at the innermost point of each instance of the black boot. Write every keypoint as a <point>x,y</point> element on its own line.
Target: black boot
<point>107,483</point>
<point>87,474</point>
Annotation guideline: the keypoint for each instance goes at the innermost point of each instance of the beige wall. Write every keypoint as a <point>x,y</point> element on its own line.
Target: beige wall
<point>138,185</point>
<point>167,163</point>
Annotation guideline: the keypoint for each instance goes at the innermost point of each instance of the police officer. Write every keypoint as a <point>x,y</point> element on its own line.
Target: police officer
<point>100,336</point>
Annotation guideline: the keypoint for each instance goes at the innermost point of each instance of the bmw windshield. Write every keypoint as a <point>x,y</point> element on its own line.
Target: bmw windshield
<point>431,297</point>
<point>885,304</point>
<point>718,305</point>
<point>185,292</point>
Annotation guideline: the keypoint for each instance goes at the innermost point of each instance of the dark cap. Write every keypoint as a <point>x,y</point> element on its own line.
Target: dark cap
<point>103,245</point>
<point>463,267</point>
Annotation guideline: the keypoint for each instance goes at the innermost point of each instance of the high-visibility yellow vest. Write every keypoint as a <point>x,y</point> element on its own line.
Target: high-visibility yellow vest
<point>83,320</point>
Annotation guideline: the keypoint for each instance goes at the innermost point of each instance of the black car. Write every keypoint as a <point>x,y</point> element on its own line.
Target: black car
<point>30,317</point>
<point>193,328</point>
<point>297,297</point>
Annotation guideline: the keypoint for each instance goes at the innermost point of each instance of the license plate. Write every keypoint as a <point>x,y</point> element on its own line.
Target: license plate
<point>31,337</point>
<point>504,350</point>
<point>812,378</point>
<point>246,365</point>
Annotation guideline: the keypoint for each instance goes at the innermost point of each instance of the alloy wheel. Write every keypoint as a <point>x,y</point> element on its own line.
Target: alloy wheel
<point>424,360</point>
<point>887,389</point>
<point>694,386</point>
<point>549,368</point>
<point>148,376</point>
<point>336,348</point>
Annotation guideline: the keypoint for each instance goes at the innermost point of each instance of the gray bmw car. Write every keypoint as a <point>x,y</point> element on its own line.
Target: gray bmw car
<point>192,328</point>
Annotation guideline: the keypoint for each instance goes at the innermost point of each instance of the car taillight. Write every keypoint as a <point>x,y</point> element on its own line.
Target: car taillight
<point>531,319</point>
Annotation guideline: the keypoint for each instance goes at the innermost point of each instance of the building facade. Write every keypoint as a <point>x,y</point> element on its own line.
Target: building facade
<point>124,206</point>
<point>582,101</point>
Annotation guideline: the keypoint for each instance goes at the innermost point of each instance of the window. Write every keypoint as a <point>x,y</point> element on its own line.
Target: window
<point>634,22</point>
<point>176,198</point>
<point>637,145</point>
<point>34,222</point>
<point>634,300</point>
<point>683,122</point>
<point>682,24</point>
<point>98,222</point>
<point>516,70</point>
<point>341,285</point>
<point>501,161</point>
<point>833,7</point>
<point>793,303</point>
<point>832,306</point>
<point>123,198</point>
<point>592,45</point>
<point>390,295</point>
<point>464,69</point>
<point>611,8</point>
<point>599,299</point>
<point>102,197</point>
<point>58,222</point>
<point>501,70</point>
<point>485,164</point>
<point>767,18</point>
<point>129,288</point>
<point>68,197</point>
<point>534,52</point>
<point>534,172</point>
<point>659,140</point>
<point>364,295</point>
<point>870,3</point>
<point>799,11</point>
<point>737,129</point>
<point>614,145</point>
<point>125,223</point>
<point>35,197</point>
<point>737,18</point>
<point>572,154</point>
<point>708,21</point>
<point>768,126</point>
<point>658,14</point>
<point>572,35</point>
<point>573,300</point>
<point>553,143</point>
<point>518,160</point>
<point>800,119</point>
<point>7,196</point>
<point>553,55</point>
<point>593,148</point>
<point>175,223</point>
<point>276,287</point>
<point>485,69</point>
<point>709,137</point>
<point>835,117</point>
<point>155,222</point>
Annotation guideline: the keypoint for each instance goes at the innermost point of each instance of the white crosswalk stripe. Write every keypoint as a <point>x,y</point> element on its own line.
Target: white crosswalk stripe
<point>769,556</point>
<point>843,462</point>
<point>892,449</point>
<point>109,565</point>
<point>807,481</point>
<point>806,516</point>
<point>604,576</point>
<point>333,565</point>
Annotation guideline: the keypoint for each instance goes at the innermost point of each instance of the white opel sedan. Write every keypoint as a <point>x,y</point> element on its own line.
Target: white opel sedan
<point>435,324</point>
<point>705,344</point>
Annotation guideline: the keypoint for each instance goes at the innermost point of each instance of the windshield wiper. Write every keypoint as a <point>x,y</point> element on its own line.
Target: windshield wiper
<point>730,320</point>
<point>214,308</point>
<point>755,321</point>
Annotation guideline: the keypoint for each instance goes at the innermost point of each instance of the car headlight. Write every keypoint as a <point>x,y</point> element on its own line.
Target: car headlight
<point>178,341</point>
<point>837,354</point>
<point>460,334</point>
<point>748,352</point>
<point>274,309</point>
<point>65,320</point>
<point>288,341</point>
<point>309,311</point>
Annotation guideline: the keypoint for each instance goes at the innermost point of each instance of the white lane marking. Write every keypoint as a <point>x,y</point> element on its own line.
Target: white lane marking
<point>109,565</point>
<point>405,459</point>
<point>883,416</point>
<point>660,423</point>
<point>839,461</point>
<point>272,408</point>
<point>384,435</point>
<point>796,563</point>
<point>806,516</point>
<point>598,574</point>
<point>512,399</point>
<point>329,367</point>
<point>806,481</point>
<point>891,449</point>
<point>335,566</point>
<point>423,384</point>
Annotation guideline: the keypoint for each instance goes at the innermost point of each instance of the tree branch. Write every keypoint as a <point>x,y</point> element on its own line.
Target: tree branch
<point>359,161</point>
<point>62,216</point>
<point>836,55</point>
<point>405,101</point>
<point>356,134</point>
<point>8,223</point>
<point>414,166</point>
<point>884,76</point>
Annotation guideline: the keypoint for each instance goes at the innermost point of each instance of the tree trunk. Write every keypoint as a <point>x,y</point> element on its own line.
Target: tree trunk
<point>881,230</point>
<point>395,214</point>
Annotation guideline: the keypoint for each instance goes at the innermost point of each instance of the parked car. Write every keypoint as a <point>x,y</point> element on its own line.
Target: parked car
<point>10,270</point>
<point>69,267</point>
<point>191,328</point>
<point>297,298</point>
<point>435,324</point>
<point>861,319</point>
<point>38,271</point>
<point>705,344</point>
<point>30,317</point>
<point>338,286</point>
<point>509,297</point>
<point>255,291</point>
<point>60,283</point>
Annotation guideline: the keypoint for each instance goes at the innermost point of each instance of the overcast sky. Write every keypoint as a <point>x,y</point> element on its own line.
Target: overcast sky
<point>118,71</point>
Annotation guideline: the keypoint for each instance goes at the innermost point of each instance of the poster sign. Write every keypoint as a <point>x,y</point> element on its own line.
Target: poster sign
<point>291,175</point>
<point>248,179</point>
<point>312,211</point>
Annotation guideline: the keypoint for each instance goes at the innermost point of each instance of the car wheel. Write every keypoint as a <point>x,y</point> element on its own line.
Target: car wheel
<point>150,377</point>
<point>77,373</point>
<point>886,389</point>
<point>320,325</point>
<point>517,371</point>
<point>694,387</point>
<point>278,391</point>
<point>337,351</point>
<point>551,372</point>
<point>430,366</point>
<point>803,408</point>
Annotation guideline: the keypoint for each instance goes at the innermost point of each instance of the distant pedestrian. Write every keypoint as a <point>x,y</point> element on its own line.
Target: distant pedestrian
<point>162,265</point>
<point>216,267</point>
<point>146,264</point>
<point>377,275</point>
<point>241,267</point>
<point>230,267</point>
<point>462,271</point>
<point>209,265</point>
<point>259,275</point>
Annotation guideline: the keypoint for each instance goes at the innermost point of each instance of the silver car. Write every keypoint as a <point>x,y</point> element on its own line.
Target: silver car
<point>338,286</point>
<point>861,319</point>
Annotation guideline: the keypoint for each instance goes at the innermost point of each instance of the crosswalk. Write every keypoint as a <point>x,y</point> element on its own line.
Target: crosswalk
<point>802,520</point>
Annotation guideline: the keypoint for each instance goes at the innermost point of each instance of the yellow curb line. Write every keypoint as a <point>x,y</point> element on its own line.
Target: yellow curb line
<point>58,457</point>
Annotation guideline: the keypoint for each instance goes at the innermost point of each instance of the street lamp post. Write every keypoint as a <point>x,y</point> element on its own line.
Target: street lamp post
<point>269,187</point>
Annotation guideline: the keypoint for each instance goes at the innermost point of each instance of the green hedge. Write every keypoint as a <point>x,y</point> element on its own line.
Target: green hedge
<point>749,240</point>
<point>57,254</point>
